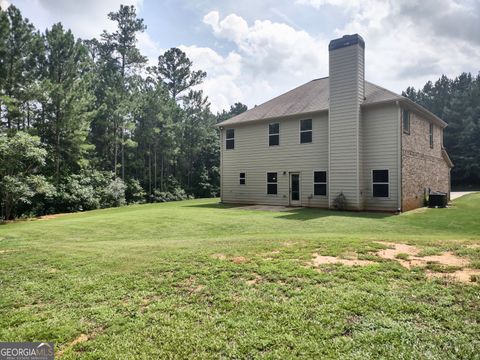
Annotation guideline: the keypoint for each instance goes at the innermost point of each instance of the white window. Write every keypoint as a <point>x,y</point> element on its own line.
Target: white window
<point>320,183</point>
<point>230,139</point>
<point>243,178</point>
<point>380,183</point>
<point>273,134</point>
<point>306,131</point>
<point>272,182</point>
<point>431,136</point>
<point>406,121</point>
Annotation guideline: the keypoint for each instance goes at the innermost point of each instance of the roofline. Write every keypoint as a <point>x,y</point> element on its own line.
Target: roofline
<point>447,158</point>
<point>291,116</point>
<point>400,99</point>
<point>413,106</point>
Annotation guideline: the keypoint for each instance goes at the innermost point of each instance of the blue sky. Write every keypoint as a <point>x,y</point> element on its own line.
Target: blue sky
<point>255,50</point>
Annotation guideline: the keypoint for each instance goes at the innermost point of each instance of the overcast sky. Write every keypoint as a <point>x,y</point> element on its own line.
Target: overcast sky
<point>255,50</point>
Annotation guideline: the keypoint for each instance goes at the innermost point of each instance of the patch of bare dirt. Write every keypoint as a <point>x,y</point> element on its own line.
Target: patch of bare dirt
<point>6,251</point>
<point>255,280</point>
<point>52,216</point>
<point>412,260</point>
<point>467,276</point>
<point>473,246</point>
<point>78,340</point>
<point>219,256</point>
<point>239,259</point>
<point>322,260</point>
<point>236,259</point>
<point>464,275</point>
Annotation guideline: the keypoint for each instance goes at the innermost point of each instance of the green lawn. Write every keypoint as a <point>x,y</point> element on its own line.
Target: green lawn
<point>195,279</point>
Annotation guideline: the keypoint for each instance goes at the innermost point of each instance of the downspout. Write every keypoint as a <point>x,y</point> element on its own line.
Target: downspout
<point>399,157</point>
<point>221,164</point>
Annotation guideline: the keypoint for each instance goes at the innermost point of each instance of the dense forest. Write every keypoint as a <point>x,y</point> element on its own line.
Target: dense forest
<point>86,124</point>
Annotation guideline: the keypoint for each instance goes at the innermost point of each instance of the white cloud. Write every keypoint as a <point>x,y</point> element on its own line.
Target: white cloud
<point>410,42</point>
<point>86,18</point>
<point>149,48</point>
<point>4,4</point>
<point>269,58</point>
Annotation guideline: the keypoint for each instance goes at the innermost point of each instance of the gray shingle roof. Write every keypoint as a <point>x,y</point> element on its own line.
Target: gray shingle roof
<point>310,98</point>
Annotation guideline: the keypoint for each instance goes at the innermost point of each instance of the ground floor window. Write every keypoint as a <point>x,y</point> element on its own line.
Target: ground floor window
<point>320,183</point>
<point>272,183</point>
<point>380,183</point>
<point>242,178</point>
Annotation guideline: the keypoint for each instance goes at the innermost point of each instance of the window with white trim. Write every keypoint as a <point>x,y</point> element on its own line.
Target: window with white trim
<point>230,139</point>
<point>380,183</point>
<point>320,183</point>
<point>430,135</point>
<point>306,131</point>
<point>272,182</point>
<point>243,178</point>
<point>406,121</point>
<point>273,134</point>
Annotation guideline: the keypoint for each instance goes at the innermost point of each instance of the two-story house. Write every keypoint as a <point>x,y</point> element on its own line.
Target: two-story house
<point>339,134</point>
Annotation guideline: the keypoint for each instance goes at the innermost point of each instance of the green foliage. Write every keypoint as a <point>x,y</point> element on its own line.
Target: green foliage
<point>164,196</point>
<point>21,157</point>
<point>94,107</point>
<point>340,202</point>
<point>134,193</point>
<point>174,69</point>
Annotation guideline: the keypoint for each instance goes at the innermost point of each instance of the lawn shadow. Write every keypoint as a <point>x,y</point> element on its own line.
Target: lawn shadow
<point>217,205</point>
<point>302,214</point>
<point>305,214</point>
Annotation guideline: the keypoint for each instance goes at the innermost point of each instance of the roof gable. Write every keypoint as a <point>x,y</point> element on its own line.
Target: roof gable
<point>309,98</point>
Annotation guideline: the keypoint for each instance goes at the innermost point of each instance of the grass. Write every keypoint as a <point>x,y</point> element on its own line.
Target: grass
<point>195,279</point>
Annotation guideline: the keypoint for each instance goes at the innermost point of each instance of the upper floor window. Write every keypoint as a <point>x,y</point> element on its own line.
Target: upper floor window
<point>272,183</point>
<point>320,183</point>
<point>380,183</point>
<point>273,134</point>
<point>305,131</point>
<point>430,135</point>
<point>406,121</point>
<point>230,139</point>
<point>243,177</point>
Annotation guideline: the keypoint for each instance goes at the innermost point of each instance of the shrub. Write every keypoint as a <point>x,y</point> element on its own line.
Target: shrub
<point>114,193</point>
<point>174,195</point>
<point>134,193</point>
<point>340,202</point>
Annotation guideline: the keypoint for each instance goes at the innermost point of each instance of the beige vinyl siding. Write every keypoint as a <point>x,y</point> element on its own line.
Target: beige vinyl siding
<point>380,127</point>
<point>253,156</point>
<point>346,94</point>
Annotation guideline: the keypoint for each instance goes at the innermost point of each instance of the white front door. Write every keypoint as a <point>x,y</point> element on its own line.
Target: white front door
<point>295,195</point>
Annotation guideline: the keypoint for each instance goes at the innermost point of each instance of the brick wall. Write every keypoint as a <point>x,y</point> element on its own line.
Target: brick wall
<point>422,166</point>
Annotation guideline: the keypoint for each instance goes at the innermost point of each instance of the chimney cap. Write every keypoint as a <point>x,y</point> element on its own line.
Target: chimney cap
<point>345,41</point>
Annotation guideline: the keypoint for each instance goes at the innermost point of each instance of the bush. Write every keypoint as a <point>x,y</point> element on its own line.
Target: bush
<point>114,193</point>
<point>134,193</point>
<point>340,202</point>
<point>165,196</point>
<point>87,191</point>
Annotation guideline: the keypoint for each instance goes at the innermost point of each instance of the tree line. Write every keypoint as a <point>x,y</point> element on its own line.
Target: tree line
<point>86,124</point>
<point>457,101</point>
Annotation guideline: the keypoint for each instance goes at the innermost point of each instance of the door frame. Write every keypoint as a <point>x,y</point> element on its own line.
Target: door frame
<point>299,201</point>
